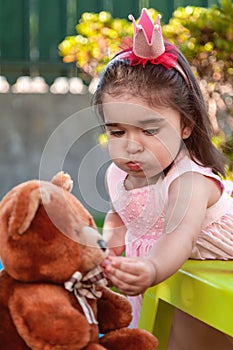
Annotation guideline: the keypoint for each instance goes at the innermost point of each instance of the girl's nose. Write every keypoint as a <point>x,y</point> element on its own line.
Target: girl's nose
<point>133,146</point>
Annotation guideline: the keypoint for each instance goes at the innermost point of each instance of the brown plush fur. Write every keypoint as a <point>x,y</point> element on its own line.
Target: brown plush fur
<point>43,241</point>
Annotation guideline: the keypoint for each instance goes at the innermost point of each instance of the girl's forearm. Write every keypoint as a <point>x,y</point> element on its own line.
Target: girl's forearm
<point>114,233</point>
<point>168,255</point>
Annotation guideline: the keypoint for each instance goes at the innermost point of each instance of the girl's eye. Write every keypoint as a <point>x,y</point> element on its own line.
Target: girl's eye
<point>117,133</point>
<point>151,132</point>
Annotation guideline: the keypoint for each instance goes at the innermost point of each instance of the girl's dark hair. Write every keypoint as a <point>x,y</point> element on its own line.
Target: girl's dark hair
<point>159,86</point>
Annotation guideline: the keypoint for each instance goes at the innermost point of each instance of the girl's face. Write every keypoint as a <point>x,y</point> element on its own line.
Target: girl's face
<point>142,141</point>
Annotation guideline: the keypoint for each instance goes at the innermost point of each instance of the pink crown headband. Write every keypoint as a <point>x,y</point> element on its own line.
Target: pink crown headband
<point>148,45</point>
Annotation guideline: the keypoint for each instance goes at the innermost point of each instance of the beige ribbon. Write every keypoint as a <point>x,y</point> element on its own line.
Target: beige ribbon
<point>85,287</point>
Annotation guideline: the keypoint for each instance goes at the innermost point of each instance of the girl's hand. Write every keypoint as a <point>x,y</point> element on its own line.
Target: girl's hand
<point>131,276</point>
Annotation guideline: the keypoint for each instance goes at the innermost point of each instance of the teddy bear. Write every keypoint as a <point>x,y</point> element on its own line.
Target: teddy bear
<point>53,294</point>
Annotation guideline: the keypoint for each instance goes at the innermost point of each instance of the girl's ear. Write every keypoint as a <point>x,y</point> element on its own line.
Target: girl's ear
<point>186,132</point>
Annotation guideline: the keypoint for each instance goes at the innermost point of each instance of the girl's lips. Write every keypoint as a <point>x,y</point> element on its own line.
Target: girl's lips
<point>134,166</point>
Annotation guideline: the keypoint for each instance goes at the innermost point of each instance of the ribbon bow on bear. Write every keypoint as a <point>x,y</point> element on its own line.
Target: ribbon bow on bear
<point>85,287</point>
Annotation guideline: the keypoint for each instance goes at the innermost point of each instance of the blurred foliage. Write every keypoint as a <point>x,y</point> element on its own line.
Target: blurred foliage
<point>98,40</point>
<point>204,35</point>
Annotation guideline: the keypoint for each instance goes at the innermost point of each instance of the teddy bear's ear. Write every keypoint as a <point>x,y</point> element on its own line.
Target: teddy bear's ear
<point>25,209</point>
<point>63,180</point>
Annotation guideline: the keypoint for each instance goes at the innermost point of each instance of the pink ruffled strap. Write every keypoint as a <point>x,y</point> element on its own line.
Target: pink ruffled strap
<point>228,185</point>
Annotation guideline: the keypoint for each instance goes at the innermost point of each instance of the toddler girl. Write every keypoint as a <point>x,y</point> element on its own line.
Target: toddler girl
<point>168,202</point>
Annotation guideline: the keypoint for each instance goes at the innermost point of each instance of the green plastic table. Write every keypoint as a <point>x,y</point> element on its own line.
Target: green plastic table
<point>203,289</point>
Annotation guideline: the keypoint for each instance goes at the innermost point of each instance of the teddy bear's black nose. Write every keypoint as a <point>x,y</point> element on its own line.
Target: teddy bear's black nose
<point>102,244</point>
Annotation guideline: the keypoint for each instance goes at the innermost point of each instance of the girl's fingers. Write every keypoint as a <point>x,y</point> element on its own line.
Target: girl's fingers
<point>130,275</point>
<point>127,283</point>
<point>122,275</point>
<point>128,265</point>
<point>126,288</point>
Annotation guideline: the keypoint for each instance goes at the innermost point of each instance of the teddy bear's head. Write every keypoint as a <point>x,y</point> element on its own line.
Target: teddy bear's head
<point>46,234</point>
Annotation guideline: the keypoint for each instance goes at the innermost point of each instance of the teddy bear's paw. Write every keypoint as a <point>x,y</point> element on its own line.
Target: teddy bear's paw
<point>130,339</point>
<point>117,308</point>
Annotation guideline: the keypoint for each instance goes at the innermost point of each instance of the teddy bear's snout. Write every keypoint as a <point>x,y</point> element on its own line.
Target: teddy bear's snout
<point>102,244</point>
<point>91,238</point>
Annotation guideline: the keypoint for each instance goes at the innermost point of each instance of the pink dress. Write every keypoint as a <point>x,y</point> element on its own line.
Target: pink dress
<point>143,209</point>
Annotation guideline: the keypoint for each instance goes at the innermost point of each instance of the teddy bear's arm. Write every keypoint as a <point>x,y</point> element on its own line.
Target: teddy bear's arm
<point>45,318</point>
<point>114,311</point>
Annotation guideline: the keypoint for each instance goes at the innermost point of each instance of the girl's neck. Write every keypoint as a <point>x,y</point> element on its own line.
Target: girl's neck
<point>132,182</point>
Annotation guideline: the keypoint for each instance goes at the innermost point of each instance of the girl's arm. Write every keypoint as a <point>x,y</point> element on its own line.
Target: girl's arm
<point>114,233</point>
<point>189,197</point>
<point>113,229</point>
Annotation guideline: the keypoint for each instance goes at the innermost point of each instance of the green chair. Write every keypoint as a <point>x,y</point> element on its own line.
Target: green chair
<point>202,289</point>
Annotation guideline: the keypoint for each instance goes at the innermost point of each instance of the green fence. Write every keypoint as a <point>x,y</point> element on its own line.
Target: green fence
<point>30,30</point>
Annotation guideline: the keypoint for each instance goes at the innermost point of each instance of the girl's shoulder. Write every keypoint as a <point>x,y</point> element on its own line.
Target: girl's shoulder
<point>184,164</point>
